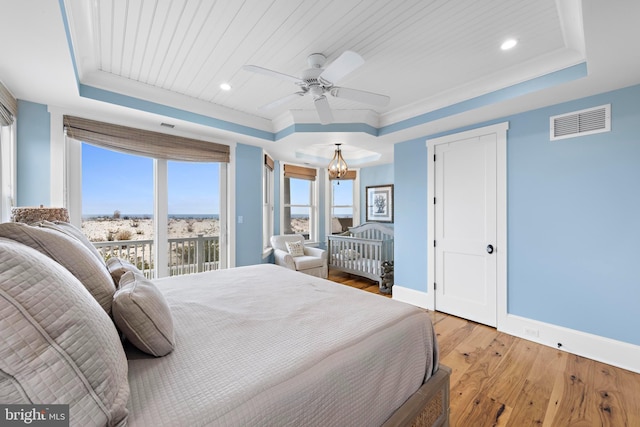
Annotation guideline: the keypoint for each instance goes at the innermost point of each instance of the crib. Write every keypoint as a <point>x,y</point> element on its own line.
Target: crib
<point>361,250</point>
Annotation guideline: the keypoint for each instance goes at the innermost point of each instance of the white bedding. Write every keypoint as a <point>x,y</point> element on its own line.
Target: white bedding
<point>267,346</point>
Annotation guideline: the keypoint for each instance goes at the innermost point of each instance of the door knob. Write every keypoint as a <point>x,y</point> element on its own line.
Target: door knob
<point>490,249</point>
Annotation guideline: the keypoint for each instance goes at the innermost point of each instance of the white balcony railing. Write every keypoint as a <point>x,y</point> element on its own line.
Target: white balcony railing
<point>186,255</point>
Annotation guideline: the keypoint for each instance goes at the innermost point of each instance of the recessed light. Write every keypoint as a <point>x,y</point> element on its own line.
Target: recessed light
<point>225,86</point>
<point>508,44</point>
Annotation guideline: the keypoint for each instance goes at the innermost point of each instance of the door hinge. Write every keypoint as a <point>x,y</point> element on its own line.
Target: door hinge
<point>435,286</point>
<point>434,200</point>
<point>434,243</point>
<point>434,157</point>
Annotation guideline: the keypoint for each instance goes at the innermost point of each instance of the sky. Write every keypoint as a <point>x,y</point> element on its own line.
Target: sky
<point>116,181</point>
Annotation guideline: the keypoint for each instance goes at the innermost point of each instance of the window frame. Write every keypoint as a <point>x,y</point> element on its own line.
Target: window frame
<point>7,170</point>
<point>69,173</point>
<point>329,201</point>
<point>313,207</point>
<point>268,207</point>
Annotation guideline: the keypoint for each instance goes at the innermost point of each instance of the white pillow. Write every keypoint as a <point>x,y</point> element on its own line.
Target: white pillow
<point>295,248</point>
<point>57,345</point>
<point>143,315</point>
<point>68,252</point>
<point>118,267</point>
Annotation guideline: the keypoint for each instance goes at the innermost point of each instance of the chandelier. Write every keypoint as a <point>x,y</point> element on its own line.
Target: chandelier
<point>337,166</point>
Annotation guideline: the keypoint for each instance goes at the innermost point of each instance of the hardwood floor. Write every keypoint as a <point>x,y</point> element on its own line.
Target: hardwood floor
<point>501,380</point>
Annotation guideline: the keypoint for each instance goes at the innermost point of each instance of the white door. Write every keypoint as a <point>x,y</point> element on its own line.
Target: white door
<point>465,228</point>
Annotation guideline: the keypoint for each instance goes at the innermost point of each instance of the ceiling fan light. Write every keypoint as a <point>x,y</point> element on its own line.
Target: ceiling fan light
<point>337,166</point>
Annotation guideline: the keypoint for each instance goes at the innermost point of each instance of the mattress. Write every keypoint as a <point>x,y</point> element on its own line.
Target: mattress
<point>267,346</point>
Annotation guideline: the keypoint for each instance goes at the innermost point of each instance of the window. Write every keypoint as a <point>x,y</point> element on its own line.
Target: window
<point>267,201</point>
<point>193,216</point>
<point>122,196</point>
<point>299,202</point>
<point>341,205</point>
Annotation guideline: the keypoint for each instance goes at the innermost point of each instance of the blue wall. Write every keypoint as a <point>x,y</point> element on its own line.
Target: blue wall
<point>573,218</point>
<point>410,215</point>
<point>33,155</point>
<point>248,197</point>
<point>374,175</point>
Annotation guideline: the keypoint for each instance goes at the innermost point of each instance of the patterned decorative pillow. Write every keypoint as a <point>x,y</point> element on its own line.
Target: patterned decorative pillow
<point>295,248</point>
<point>57,345</point>
<point>118,266</point>
<point>143,315</point>
<point>68,252</point>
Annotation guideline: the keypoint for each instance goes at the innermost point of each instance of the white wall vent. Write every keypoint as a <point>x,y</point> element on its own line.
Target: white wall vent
<point>583,122</point>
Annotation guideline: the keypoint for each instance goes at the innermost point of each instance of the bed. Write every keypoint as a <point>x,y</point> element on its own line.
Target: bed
<point>257,345</point>
<point>361,250</point>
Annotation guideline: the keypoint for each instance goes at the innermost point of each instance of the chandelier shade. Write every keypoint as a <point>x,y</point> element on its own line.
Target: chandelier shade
<point>337,166</point>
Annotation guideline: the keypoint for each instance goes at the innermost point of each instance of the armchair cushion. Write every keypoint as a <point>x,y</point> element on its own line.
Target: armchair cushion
<point>306,262</point>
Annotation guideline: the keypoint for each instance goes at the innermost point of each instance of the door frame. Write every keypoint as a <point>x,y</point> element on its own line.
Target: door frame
<point>500,129</point>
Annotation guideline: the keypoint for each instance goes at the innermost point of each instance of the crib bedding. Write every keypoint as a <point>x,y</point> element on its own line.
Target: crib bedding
<point>264,345</point>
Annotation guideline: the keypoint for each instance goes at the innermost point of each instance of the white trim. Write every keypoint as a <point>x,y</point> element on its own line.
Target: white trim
<point>411,296</point>
<point>500,130</point>
<point>160,217</point>
<point>602,349</point>
<point>227,226</point>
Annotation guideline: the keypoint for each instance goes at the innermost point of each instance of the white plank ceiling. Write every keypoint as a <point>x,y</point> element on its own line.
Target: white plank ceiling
<point>415,50</point>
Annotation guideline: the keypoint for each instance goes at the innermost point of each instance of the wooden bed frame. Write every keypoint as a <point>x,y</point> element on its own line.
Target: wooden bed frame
<point>361,250</point>
<point>427,407</point>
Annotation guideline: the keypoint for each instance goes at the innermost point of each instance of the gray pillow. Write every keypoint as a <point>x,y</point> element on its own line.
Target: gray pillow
<point>57,345</point>
<point>143,315</point>
<point>73,231</point>
<point>69,253</point>
<point>118,266</point>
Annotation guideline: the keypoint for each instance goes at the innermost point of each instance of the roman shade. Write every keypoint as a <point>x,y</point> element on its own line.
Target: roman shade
<point>268,161</point>
<point>143,142</point>
<point>8,106</point>
<point>348,175</point>
<point>291,171</point>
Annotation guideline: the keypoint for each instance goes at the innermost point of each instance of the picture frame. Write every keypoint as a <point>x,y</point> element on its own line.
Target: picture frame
<point>379,203</point>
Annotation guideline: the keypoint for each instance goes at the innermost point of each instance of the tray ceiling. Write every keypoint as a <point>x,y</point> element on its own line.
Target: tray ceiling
<point>422,54</point>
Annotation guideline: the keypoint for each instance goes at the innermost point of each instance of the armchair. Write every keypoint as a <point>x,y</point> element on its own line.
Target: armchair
<point>314,261</point>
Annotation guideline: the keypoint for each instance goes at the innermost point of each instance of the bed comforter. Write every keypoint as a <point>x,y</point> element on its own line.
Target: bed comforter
<point>267,346</point>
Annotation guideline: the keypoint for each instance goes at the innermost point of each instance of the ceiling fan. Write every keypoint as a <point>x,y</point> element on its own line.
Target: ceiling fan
<point>318,81</point>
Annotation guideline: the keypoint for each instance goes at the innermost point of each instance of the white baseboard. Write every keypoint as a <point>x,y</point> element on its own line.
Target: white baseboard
<point>606,350</point>
<point>411,296</point>
<point>602,349</point>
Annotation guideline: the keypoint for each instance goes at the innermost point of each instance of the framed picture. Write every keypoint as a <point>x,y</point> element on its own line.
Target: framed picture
<point>380,203</point>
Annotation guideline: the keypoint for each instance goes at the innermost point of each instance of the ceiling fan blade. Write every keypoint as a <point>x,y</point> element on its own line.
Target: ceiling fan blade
<point>271,73</point>
<point>281,101</point>
<point>343,65</point>
<point>324,111</point>
<point>361,96</point>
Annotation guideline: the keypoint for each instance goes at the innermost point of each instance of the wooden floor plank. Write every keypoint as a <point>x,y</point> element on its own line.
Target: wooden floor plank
<point>501,380</point>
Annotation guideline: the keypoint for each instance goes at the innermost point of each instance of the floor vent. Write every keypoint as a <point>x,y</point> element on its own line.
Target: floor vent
<point>578,123</point>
